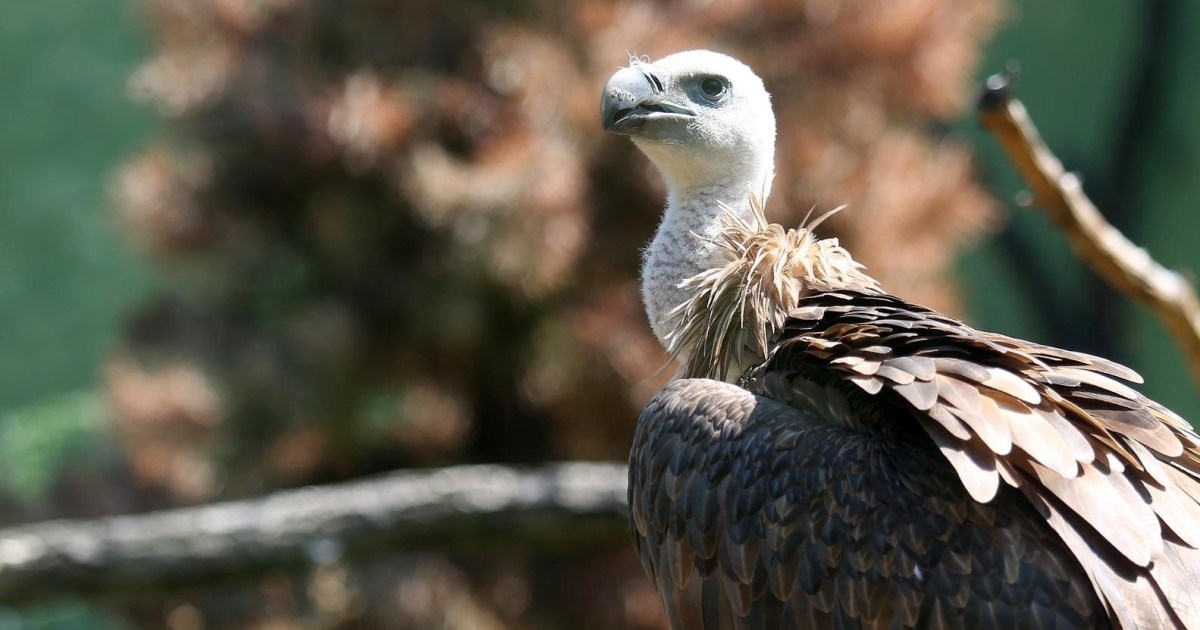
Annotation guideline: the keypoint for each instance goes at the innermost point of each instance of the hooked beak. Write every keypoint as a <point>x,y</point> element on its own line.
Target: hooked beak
<point>635,95</point>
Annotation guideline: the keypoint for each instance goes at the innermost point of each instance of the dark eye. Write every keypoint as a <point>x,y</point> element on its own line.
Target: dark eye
<point>713,88</point>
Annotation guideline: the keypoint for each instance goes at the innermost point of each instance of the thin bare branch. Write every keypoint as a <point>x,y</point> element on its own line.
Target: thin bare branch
<point>565,505</point>
<point>1112,256</point>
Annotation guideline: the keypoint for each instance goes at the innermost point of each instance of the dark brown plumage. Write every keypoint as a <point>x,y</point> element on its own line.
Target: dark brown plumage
<point>876,464</point>
<point>892,467</point>
<point>745,518</point>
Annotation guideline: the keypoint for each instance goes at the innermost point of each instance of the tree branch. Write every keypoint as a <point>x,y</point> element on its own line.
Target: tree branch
<point>1110,255</point>
<point>565,505</point>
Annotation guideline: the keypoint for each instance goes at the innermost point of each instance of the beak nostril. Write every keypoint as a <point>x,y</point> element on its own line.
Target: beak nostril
<point>655,82</point>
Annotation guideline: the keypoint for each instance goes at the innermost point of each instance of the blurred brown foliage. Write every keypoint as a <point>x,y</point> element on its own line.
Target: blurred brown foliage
<point>392,234</point>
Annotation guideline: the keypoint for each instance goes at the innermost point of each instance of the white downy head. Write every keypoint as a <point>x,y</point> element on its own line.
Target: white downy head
<point>703,118</point>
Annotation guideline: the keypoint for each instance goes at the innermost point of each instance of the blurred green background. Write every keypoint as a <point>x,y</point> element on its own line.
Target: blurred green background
<point>67,123</point>
<point>1110,84</point>
<point>66,277</point>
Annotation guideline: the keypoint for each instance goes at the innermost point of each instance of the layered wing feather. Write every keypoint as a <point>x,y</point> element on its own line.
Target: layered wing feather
<point>1116,475</point>
<point>770,512</point>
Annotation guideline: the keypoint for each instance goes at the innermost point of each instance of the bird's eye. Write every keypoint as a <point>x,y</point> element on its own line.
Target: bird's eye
<point>713,89</point>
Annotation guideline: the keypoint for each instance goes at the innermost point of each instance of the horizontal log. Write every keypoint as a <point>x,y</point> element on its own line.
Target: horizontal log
<point>563,505</point>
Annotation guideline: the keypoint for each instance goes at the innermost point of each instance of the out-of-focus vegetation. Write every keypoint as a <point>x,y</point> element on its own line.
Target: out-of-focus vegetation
<point>39,442</point>
<point>372,235</point>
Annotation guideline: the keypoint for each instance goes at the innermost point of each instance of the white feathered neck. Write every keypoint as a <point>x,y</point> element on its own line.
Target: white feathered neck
<point>711,166</point>
<point>686,243</point>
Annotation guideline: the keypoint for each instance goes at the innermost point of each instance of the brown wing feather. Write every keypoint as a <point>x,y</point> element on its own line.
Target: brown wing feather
<point>768,511</point>
<point>1113,473</point>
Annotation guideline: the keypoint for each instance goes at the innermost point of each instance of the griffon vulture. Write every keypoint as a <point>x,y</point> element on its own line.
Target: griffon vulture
<point>833,456</point>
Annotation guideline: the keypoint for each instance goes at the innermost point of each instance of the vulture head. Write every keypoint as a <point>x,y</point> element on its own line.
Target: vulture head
<point>717,280</point>
<point>702,117</point>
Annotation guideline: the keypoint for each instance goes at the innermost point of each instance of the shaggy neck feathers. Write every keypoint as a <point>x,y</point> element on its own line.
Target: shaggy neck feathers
<point>735,308</point>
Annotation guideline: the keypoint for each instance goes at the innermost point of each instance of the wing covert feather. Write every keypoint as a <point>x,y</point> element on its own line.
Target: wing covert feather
<point>1118,469</point>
